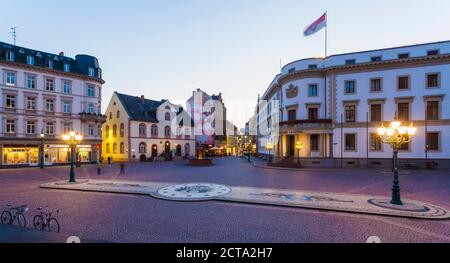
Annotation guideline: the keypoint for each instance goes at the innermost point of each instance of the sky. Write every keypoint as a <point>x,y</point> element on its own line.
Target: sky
<point>165,49</point>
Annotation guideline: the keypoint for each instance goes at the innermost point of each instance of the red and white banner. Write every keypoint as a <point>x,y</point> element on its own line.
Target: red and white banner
<point>316,26</point>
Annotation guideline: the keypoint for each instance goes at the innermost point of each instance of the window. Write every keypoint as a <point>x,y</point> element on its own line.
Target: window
<point>167,116</point>
<point>49,63</point>
<point>10,101</point>
<point>433,80</point>
<point>376,59</point>
<point>154,130</point>
<point>91,108</point>
<point>31,127</point>
<point>292,115</point>
<point>49,84</point>
<point>118,114</point>
<point>122,148</point>
<point>403,55</point>
<point>31,82</point>
<point>67,107</point>
<point>350,87</point>
<point>114,131</point>
<point>350,62</point>
<point>142,130</point>
<point>31,103</point>
<point>312,90</point>
<point>375,112</point>
<point>108,148</point>
<point>90,91</point>
<point>67,127</point>
<point>403,111</point>
<point>350,142</point>
<point>115,148</point>
<point>142,148</point>
<point>66,67</point>
<point>91,72</point>
<point>350,113</point>
<point>433,110</point>
<point>313,114</point>
<point>110,115</point>
<point>375,143</point>
<point>433,52</point>
<point>9,55</point>
<point>167,131</point>
<point>10,79</point>
<point>314,142</point>
<point>122,130</point>
<point>375,85</point>
<point>91,130</point>
<point>404,147</point>
<point>30,60</point>
<point>49,128</point>
<point>312,66</point>
<point>433,143</point>
<point>49,105</point>
<point>403,83</point>
<point>67,87</point>
<point>107,131</point>
<point>10,126</point>
<point>291,70</point>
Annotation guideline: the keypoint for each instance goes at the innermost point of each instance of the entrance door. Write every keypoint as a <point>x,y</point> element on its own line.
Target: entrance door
<point>291,146</point>
<point>154,150</point>
<point>167,147</point>
<point>178,152</point>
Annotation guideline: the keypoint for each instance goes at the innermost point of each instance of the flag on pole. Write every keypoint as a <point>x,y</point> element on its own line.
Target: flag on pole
<point>316,26</point>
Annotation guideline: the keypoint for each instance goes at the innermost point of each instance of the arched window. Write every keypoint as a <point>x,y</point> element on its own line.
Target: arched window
<point>122,130</point>
<point>187,148</point>
<point>142,148</point>
<point>110,115</point>
<point>167,116</point>
<point>108,150</point>
<point>115,131</point>
<point>122,148</point>
<point>154,130</point>
<point>107,131</point>
<point>142,130</point>
<point>118,114</point>
<point>115,148</point>
<point>167,131</point>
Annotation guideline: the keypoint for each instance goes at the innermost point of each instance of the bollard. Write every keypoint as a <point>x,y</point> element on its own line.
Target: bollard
<point>99,170</point>
<point>122,168</point>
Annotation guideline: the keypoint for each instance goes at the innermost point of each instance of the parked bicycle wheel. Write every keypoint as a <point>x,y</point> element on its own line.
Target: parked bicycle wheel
<point>38,222</point>
<point>6,217</point>
<point>21,221</point>
<point>53,225</point>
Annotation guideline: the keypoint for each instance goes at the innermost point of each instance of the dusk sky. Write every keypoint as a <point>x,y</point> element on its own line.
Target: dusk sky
<point>165,49</point>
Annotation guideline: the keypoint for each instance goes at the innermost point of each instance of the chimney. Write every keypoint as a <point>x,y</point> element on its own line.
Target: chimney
<point>61,54</point>
<point>142,99</point>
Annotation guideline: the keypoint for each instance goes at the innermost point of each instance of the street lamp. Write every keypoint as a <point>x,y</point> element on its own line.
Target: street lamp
<point>72,139</point>
<point>299,147</point>
<point>269,147</point>
<point>396,135</point>
<point>41,150</point>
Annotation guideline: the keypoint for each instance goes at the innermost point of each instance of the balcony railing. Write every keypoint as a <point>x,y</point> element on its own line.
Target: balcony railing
<point>86,116</point>
<point>307,124</point>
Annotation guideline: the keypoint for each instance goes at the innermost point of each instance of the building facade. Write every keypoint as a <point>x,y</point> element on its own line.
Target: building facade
<point>333,106</point>
<point>48,94</point>
<point>139,129</point>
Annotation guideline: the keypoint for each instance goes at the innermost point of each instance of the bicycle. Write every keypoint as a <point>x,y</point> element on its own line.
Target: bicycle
<point>46,220</point>
<point>12,214</point>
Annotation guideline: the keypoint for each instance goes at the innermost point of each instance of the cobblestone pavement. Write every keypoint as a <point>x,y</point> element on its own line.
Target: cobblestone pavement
<point>132,218</point>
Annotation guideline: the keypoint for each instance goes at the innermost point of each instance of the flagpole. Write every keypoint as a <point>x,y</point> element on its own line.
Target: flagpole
<point>326,34</point>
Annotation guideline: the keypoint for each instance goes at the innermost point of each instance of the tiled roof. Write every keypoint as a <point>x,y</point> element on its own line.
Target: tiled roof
<point>139,110</point>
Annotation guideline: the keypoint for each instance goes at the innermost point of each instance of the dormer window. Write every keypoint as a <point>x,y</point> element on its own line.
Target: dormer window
<point>49,63</point>
<point>9,55</point>
<point>91,72</point>
<point>403,55</point>
<point>376,59</point>
<point>433,52</point>
<point>312,66</point>
<point>66,67</point>
<point>30,60</point>
<point>350,62</point>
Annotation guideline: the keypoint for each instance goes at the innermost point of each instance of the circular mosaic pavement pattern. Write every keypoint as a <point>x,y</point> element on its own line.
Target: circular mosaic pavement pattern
<point>419,209</point>
<point>192,192</point>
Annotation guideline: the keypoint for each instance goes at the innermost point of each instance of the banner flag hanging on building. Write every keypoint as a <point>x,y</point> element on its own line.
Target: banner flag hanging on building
<point>316,26</point>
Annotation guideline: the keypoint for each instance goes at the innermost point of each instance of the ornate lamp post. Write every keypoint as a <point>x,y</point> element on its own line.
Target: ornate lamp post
<point>72,139</point>
<point>298,147</point>
<point>41,150</point>
<point>269,147</point>
<point>396,135</point>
